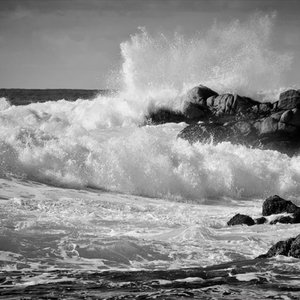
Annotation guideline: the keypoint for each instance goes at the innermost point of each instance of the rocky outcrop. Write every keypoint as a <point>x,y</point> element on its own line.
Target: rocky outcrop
<point>288,100</point>
<point>289,247</point>
<point>279,131</point>
<point>241,120</point>
<point>277,205</point>
<point>194,108</point>
<point>239,219</point>
<point>237,119</point>
<point>272,206</point>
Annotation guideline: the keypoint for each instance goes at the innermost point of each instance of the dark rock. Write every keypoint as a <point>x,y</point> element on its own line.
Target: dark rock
<point>289,247</point>
<point>295,247</point>
<point>277,205</point>
<point>195,107</point>
<point>287,116</point>
<point>165,115</point>
<point>296,217</point>
<point>283,219</point>
<point>238,132</point>
<point>199,94</point>
<point>280,248</point>
<point>237,119</point>
<point>239,219</point>
<point>289,99</point>
<point>263,125</point>
<point>193,111</point>
<point>293,219</point>
<point>260,220</point>
<point>265,107</point>
<point>230,104</point>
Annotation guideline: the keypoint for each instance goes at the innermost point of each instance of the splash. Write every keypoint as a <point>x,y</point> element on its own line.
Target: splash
<point>56,143</point>
<point>237,57</point>
<point>4,104</point>
<point>99,143</point>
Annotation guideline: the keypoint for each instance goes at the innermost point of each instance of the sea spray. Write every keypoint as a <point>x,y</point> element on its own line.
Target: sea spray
<point>4,103</point>
<point>60,148</point>
<point>99,143</point>
<point>236,57</point>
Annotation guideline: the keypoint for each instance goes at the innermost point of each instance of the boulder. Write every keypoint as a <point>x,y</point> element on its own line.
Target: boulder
<point>268,125</point>
<point>280,248</point>
<point>239,219</point>
<point>260,220</point>
<point>199,94</point>
<point>228,104</point>
<point>195,107</point>
<point>277,205</point>
<point>288,100</point>
<point>289,247</point>
<point>295,247</point>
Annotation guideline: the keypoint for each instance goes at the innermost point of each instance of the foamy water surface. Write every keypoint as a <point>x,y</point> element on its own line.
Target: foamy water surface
<point>84,186</point>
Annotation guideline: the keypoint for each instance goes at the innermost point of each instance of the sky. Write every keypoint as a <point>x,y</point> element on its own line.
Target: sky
<point>76,43</point>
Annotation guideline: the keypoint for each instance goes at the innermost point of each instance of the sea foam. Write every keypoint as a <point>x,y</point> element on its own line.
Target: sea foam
<point>100,143</point>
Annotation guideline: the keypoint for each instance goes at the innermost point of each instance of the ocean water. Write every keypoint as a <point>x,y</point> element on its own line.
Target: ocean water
<point>95,204</point>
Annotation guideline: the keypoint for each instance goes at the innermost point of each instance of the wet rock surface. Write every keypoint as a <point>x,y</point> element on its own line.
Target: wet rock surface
<point>272,206</point>
<point>238,119</point>
<point>289,247</point>
<point>246,279</point>
<point>278,205</point>
<point>239,219</point>
<point>241,120</point>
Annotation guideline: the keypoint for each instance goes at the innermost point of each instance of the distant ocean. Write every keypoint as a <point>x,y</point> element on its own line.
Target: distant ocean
<point>94,204</point>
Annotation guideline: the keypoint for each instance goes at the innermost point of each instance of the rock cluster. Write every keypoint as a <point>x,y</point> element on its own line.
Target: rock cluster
<point>271,206</point>
<point>275,205</point>
<point>241,120</point>
<point>237,119</point>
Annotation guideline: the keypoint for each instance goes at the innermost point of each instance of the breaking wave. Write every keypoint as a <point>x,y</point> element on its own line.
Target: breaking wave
<point>99,143</point>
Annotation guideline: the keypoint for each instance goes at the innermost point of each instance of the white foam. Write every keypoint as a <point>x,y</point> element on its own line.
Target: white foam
<point>4,104</point>
<point>99,143</point>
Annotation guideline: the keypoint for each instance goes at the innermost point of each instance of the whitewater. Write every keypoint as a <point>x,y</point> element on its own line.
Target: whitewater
<point>90,186</point>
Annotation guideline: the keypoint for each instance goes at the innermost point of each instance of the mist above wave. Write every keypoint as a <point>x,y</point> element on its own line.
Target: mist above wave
<point>235,57</point>
<point>99,143</point>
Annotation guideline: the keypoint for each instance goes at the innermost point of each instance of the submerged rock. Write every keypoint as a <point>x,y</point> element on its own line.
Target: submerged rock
<point>277,205</point>
<point>239,219</point>
<point>289,247</point>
